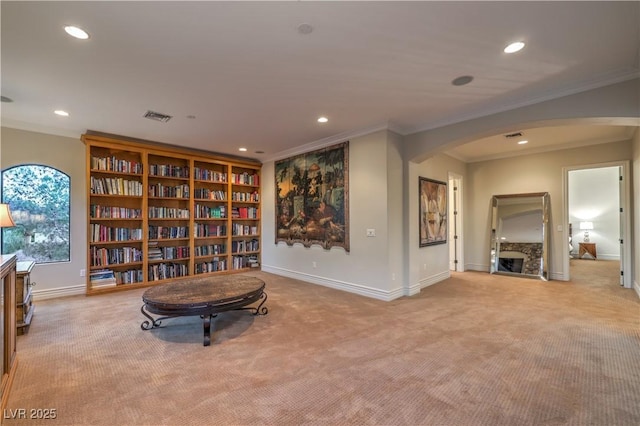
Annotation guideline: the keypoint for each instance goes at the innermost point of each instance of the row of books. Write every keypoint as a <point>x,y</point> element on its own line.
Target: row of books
<point>115,186</point>
<point>245,179</point>
<point>208,194</point>
<point>109,278</point>
<point>102,278</point>
<point>177,252</point>
<point>241,262</point>
<point>120,186</point>
<point>245,196</point>
<point>129,277</point>
<point>117,256</point>
<point>244,212</point>
<point>210,230</point>
<point>111,212</point>
<point>168,170</point>
<point>114,256</point>
<point>209,175</point>
<point>163,191</point>
<point>113,164</point>
<point>102,233</point>
<point>210,250</point>
<point>239,229</point>
<point>206,212</point>
<point>214,265</point>
<point>163,271</point>
<point>242,246</point>
<point>164,232</point>
<point>167,213</point>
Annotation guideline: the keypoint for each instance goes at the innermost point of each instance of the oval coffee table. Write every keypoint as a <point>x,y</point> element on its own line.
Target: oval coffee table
<point>206,297</point>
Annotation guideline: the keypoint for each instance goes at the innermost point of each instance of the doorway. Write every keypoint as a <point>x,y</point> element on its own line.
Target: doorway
<point>597,219</point>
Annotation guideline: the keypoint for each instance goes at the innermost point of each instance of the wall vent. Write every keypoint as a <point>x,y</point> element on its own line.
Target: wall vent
<point>151,115</point>
<point>513,135</point>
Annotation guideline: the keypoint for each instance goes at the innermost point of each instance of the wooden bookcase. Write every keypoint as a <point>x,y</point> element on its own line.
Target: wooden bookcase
<point>158,213</point>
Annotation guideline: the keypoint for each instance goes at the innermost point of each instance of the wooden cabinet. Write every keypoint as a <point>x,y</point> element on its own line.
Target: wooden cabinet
<point>115,200</point>
<point>211,217</point>
<point>24,298</point>
<point>159,213</point>
<point>8,326</point>
<point>245,217</point>
<point>587,248</point>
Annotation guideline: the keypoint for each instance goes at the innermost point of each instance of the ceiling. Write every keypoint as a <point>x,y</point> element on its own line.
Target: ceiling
<point>242,74</point>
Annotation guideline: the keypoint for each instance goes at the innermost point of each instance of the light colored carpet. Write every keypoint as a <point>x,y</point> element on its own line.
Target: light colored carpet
<point>476,349</point>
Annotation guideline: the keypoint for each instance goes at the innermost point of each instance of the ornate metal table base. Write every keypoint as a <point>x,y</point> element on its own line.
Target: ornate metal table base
<point>183,299</point>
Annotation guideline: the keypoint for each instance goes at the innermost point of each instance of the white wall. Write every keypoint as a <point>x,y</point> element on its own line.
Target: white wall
<point>369,268</point>
<point>67,155</point>
<point>636,209</point>
<point>594,196</point>
<point>533,173</point>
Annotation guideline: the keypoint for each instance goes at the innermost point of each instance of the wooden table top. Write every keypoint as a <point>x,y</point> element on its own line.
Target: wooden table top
<point>198,292</point>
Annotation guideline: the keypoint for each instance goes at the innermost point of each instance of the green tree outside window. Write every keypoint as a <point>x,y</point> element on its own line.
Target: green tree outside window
<point>39,200</point>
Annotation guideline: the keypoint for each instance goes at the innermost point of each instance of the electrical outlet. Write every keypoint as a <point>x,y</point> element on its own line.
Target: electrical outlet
<point>83,272</point>
<point>314,264</point>
<point>393,277</point>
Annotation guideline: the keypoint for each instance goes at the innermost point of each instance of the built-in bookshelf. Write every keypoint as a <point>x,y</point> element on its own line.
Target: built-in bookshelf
<point>159,213</point>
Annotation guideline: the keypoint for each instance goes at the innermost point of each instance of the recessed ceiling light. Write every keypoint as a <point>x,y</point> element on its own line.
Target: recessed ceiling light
<point>61,113</point>
<point>514,47</point>
<point>242,149</point>
<point>462,80</point>
<point>5,99</point>
<point>76,32</point>
<point>323,120</point>
<point>522,142</point>
<point>305,28</point>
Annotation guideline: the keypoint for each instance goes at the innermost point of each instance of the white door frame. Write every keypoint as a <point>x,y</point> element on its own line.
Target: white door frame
<point>625,197</point>
<point>456,251</point>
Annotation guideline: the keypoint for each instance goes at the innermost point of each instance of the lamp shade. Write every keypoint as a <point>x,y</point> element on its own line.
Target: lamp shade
<point>6,220</point>
<point>586,226</point>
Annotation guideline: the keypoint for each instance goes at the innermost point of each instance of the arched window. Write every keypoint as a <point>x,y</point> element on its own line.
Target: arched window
<point>40,206</point>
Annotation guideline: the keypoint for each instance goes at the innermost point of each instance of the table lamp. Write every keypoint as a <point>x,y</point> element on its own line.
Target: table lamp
<point>586,226</point>
<point>6,221</point>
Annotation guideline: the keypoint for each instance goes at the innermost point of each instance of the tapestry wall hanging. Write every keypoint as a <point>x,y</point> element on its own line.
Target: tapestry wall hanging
<point>433,212</point>
<point>312,198</point>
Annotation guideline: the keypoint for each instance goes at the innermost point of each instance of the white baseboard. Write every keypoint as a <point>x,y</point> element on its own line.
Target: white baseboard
<point>52,293</point>
<point>636,287</point>
<point>476,267</point>
<point>336,284</point>
<point>558,276</point>
<point>602,256</point>
<point>426,282</point>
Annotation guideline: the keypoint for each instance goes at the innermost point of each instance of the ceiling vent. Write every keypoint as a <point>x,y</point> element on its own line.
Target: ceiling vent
<point>151,115</point>
<point>513,135</point>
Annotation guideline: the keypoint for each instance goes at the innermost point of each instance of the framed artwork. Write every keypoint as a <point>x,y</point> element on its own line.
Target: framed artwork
<point>433,212</point>
<point>312,198</point>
